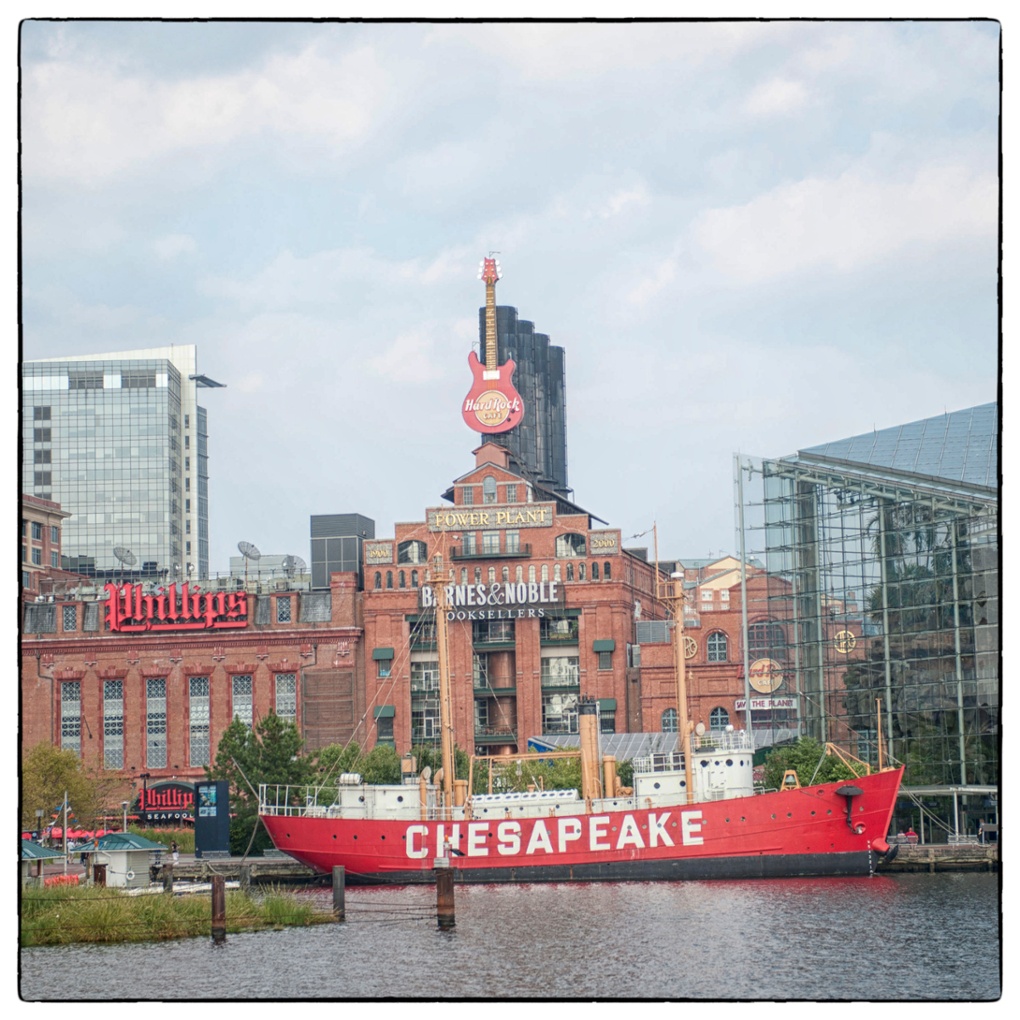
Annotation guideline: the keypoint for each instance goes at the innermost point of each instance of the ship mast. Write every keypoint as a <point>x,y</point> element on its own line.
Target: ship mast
<point>672,592</point>
<point>445,700</point>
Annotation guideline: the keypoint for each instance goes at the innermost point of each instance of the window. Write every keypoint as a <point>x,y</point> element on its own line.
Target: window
<point>718,647</point>
<point>424,719</point>
<point>706,594</point>
<point>283,608</point>
<point>467,495</point>
<point>41,413</point>
<point>545,571</point>
<point>492,575</point>
<point>54,559</point>
<point>70,716</point>
<point>490,542</point>
<point>606,571</point>
<point>241,698</point>
<point>488,489</point>
<point>84,379</point>
<point>559,713</point>
<point>594,571</point>
<point>54,534</point>
<point>37,557</point>
<point>113,724</point>
<point>719,719</point>
<point>511,493</point>
<point>605,662</point>
<point>424,676</point>
<point>607,720</point>
<point>492,632</point>
<point>155,722</point>
<point>570,571</point>
<point>42,435</point>
<point>481,715</point>
<point>414,578</point>
<point>378,580</point>
<point>561,671</point>
<point>669,723</point>
<point>766,640</point>
<point>389,578</point>
<point>469,543</point>
<point>286,696</point>
<point>513,541</point>
<point>412,552</point>
<point>42,457</point>
<point>382,668</point>
<point>69,617</point>
<point>580,571</point>
<point>36,531</point>
<point>401,579</point>
<point>724,595</point>
<point>384,730</point>
<point>570,546</point>
<point>198,720</point>
<point>553,628</point>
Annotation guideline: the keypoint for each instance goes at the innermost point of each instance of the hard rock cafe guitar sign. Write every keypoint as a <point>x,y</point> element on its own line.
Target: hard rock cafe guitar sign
<point>493,404</point>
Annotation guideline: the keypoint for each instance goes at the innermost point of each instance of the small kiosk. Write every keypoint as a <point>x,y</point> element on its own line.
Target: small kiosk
<point>127,858</point>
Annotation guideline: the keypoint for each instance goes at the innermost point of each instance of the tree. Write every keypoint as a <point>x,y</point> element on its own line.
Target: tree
<point>46,773</point>
<point>808,759</point>
<point>269,752</point>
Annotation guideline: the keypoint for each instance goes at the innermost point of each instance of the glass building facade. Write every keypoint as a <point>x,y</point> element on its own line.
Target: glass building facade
<point>119,441</point>
<point>539,442</point>
<point>882,554</point>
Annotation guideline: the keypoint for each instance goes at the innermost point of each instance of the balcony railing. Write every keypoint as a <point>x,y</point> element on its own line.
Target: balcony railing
<point>458,553</point>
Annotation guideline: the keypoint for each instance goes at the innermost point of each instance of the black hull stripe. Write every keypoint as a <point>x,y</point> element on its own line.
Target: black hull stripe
<point>771,866</point>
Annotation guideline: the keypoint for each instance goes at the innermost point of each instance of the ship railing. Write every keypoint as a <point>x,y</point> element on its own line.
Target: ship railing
<point>293,801</point>
<point>722,740</point>
<point>670,762</point>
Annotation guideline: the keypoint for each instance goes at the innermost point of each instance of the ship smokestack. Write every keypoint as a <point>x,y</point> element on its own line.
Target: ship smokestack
<point>588,730</point>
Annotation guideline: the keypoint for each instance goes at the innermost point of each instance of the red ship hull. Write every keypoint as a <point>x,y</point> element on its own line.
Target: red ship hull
<point>802,832</point>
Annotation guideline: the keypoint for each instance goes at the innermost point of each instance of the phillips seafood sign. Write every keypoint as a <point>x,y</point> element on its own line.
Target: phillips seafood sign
<point>130,610</point>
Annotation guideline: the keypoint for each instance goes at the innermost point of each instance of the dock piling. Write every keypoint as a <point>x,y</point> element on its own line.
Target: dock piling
<point>219,909</point>
<point>339,880</point>
<point>445,913</point>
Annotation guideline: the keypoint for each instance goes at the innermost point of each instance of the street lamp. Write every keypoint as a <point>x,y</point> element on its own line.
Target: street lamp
<point>38,822</point>
<point>123,807</point>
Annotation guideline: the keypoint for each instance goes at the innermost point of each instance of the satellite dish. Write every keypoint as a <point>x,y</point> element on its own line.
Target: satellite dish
<point>126,556</point>
<point>248,551</point>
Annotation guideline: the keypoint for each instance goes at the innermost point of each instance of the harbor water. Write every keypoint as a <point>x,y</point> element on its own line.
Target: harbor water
<point>908,938</point>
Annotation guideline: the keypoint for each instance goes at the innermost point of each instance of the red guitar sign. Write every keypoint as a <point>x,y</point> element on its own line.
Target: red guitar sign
<point>492,404</point>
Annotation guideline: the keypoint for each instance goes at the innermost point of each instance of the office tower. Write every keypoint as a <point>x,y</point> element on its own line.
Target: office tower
<point>336,544</point>
<point>121,443</point>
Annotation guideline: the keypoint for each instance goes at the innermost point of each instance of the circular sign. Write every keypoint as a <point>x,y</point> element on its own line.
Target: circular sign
<point>492,408</point>
<point>766,675</point>
<point>845,641</point>
<point>690,647</point>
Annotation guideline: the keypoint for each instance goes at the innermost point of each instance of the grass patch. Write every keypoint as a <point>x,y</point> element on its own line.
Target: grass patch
<point>62,915</point>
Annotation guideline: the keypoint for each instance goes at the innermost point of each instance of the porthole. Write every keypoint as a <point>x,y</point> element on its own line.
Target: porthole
<point>789,814</point>
<point>773,818</point>
<point>400,799</point>
<point>704,764</point>
<point>382,837</point>
<point>729,762</point>
<point>655,786</point>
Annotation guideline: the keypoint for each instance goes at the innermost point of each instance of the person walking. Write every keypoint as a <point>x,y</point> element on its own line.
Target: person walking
<point>174,851</point>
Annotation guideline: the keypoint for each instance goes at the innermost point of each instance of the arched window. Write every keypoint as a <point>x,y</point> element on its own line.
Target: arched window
<point>606,570</point>
<point>669,723</point>
<point>506,574</point>
<point>463,575</point>
<point>719,719</point>
<point>519,574</point>
<point>531,573</point>
<point>378,580</point>
<point>570,546</point>
<point>557,572</point>
<point>580,572</point>
<point>570,571</point>
<point>718,647</point>
<point>478,575</point>
<point>766,640</point>
<point>412,551</point>
<point>402,579</point>
<point>389,578</point>
<point>492,575</point>
<point>488,489</point>
<point>594,571</point>
<point>545,571</point>
<point>414,578</point>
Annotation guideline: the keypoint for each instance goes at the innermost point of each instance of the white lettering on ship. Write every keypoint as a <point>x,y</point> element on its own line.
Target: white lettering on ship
<point>569,835</point>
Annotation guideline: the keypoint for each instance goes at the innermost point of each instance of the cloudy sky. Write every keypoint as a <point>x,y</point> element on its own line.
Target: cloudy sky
<point>749,237</point>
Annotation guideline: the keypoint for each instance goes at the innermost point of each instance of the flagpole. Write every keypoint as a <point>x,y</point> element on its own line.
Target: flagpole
<point>65,832</point>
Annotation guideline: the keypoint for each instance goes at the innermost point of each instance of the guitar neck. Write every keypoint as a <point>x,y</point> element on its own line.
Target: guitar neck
<point>490,327</point>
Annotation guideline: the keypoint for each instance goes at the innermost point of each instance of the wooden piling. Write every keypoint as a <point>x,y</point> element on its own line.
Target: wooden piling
<point>339,880</point>
<point>168,877</point>
<point>219,909</point>
<point>445,913</point>
<point>245,879</point>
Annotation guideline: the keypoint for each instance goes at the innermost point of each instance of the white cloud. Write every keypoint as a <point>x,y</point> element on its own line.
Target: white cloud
<point>777,97</point>
<point>169,246</point>
<point>87,122</point>
<point>846,222</point>
<point>410,358</point>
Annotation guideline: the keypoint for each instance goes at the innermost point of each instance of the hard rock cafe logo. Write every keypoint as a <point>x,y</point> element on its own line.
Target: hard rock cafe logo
<point>766,675</point>
<point>492,408</point>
